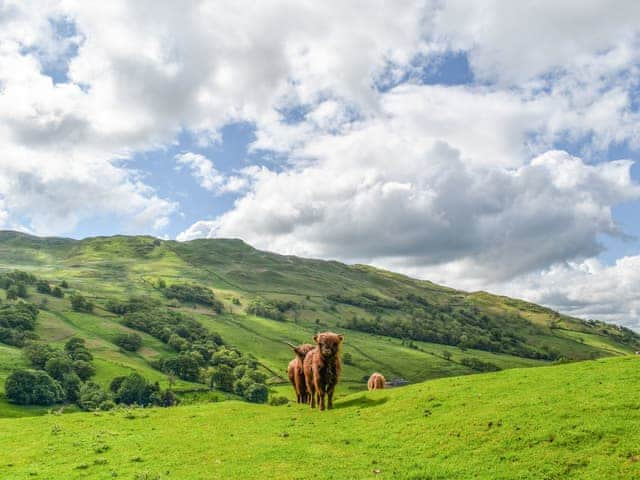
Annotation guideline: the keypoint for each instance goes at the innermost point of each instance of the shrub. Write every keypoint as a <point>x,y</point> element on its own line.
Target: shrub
<point>81,304</point>
<point>193,293</point>
<point>129,341</point>
<point>57,292</point>
<point>85,370</point>
<point>42,286</point>
<point>133,304</point>
<point>278,400</point>
<point>38,353</point>
<point>265,308</point>
<point>77,350</point>
<point>58,367</point>
<point>27,387</point>
<point>257,393</point>
<point>92,396</point>
<point>222,378</point>
<point>71,385</point>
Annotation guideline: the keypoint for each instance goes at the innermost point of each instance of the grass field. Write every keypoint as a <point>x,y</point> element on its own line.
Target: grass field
<point>114,268</point>
<point>576,421</point>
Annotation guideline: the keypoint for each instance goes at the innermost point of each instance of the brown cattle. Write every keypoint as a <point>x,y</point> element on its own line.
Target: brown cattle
<point>296,372</point>
<point>322,368</point>
<point>376,382</point>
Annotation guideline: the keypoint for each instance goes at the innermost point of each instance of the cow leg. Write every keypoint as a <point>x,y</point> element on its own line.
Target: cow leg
<point>321,395</point>
<point>330,397</point>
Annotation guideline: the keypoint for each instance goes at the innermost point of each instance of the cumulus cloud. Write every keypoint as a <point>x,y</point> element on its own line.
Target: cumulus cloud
<point>463,184</point>
<point>587,289</point>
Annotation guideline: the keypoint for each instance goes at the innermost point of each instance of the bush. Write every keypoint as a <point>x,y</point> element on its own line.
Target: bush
<point>58,367</point>
<point>57,292</point>
<point>27,387</point>
<point>265,308</point>
<point>77,350</point>
<point>42,286</point>
<point>81,304</point>
<point>92,396</point>
<point>39,353</point>
<point>135,389</point>
<point>222,378</point>
<point>71,385</point>
<point>279,400</point>
<point>133,304</point>
<point>129,341</point>
<point>193,293</point>
<point>85,370</point>
<point>257,393</point>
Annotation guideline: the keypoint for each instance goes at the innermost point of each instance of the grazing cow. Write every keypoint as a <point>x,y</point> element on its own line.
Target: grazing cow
<point>296,371</point>
<point>322,368</point>
<point>376,382</point>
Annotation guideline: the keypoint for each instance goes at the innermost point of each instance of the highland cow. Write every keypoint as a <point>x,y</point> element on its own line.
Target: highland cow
<point>376,382</point>
<point>296,372</point>
<point>322,368</point>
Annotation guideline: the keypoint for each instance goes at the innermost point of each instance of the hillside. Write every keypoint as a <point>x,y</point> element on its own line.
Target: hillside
<point>570,421</point>
<point>403,327</point>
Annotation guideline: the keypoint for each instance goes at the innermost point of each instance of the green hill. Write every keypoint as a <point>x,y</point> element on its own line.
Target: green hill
<point>402,327</point>
<point>570,421</point>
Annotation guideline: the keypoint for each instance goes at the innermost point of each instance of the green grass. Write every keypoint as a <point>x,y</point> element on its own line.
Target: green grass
<point>116,267</point>
<point>575,421</point>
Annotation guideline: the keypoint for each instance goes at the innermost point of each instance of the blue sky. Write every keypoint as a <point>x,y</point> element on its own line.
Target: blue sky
<point>473,145</point>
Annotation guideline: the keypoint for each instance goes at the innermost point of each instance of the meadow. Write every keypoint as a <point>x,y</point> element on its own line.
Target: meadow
<point>569,421</point>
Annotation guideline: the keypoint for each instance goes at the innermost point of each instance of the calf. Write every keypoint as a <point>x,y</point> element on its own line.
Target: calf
<point>296,372</point>
<point>322,368</point>
<point>376,382</point>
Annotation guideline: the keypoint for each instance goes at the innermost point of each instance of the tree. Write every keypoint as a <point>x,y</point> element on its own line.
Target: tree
<point>447,355</point>
<point>71,385</point>
<point>58,367</point>
<point>257,393</point>
<point>38,353</point>
<point>347,358</point>
<point>129,341</point>
<point>84,369</point>
<point>22,289</point>
<point>57,292</point>
<point>42,286</point>
<point>64,284</point>
<point>222,378</point>
<point>92,396</point>
<point>133,389</point>
<point>77,350</point>
<point>12,292</point>
<point>27,387</point>
<point>81,304</point>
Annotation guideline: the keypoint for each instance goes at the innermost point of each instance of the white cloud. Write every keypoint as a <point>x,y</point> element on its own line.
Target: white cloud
<point>461,183</point>
<point>587,289</point>
<point>202,169</point>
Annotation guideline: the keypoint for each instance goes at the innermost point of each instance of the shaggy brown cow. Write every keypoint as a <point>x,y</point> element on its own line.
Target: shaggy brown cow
<point>322,368</point>
<point>376,382</point>
<point>296,371</point>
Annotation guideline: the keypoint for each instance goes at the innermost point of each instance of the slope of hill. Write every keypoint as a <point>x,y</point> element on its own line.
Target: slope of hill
<point>568,421</point>
<point>402,327</point>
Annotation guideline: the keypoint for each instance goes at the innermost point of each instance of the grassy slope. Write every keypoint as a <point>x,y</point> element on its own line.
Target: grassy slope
<point>571,421</point>
<point>115,267</point>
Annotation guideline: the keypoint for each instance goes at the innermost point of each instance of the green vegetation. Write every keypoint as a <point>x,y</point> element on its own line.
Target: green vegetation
<point>208,320</point>
<point>576,421</point>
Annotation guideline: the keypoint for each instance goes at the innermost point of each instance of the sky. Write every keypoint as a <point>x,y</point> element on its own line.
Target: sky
<point>483,145</point>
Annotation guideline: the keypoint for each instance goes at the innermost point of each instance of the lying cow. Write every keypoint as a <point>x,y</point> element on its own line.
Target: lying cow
<point>376,381</point>
<point>296,371</point>
<point>322,368</point>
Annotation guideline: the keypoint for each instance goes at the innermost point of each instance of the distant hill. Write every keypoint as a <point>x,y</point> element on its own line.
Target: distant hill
<point>403,327</point>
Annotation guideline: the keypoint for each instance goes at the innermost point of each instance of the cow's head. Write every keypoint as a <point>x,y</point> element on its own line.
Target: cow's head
<point>328,343</point>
